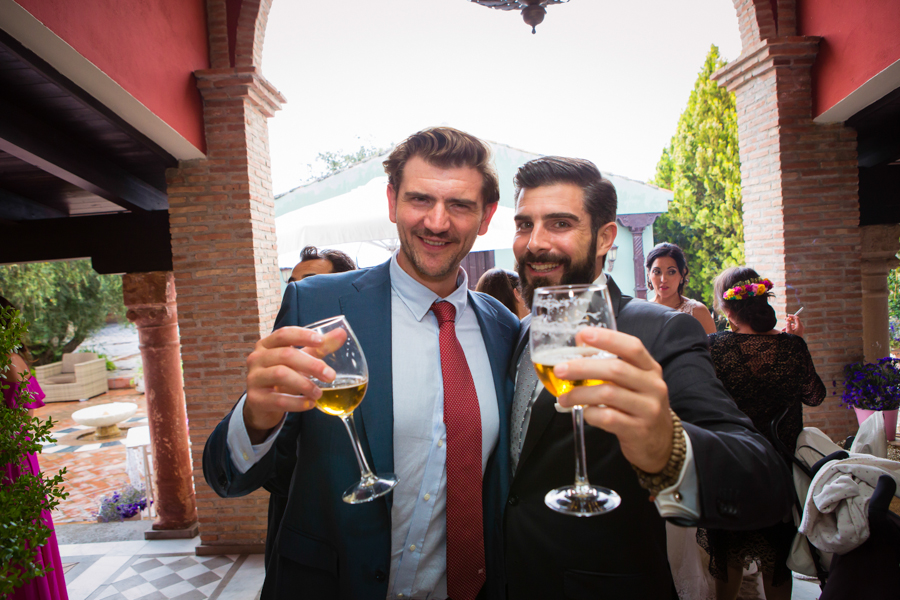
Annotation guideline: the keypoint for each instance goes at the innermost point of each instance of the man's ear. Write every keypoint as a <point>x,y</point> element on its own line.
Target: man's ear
<point>392,203</point>
<point>489,211</point>
<point>606,237</point>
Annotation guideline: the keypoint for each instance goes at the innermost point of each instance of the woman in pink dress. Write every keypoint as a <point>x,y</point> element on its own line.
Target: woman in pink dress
<point>51,586</point>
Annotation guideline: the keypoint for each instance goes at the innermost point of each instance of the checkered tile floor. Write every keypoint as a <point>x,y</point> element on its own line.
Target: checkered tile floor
<point>57,448</point>
<point>176,577</point>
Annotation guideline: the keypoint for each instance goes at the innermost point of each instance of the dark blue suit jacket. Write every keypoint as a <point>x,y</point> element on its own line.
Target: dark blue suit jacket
<point>326,548</point>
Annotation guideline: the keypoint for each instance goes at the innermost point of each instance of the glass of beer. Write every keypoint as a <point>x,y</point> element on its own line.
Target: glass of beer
<point>558,313</point>
<point>342,352</point>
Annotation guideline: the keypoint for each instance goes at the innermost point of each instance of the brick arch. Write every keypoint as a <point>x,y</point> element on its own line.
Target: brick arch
<point>236,32</point>
<point>251,33</point>
<point>761,20</point>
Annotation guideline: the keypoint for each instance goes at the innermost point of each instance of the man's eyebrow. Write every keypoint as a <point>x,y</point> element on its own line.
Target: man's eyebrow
<point>561,215</point>
<point>415,194</point>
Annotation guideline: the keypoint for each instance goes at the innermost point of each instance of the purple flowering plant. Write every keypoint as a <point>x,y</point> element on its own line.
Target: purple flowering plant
<point>872,386</point>
<point>122,505</point>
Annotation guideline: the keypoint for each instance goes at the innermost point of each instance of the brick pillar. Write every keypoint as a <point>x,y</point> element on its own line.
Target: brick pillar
<point>800,200</point>
<point>221,215</point>
<point>150,299</point>
<point>879,256</point>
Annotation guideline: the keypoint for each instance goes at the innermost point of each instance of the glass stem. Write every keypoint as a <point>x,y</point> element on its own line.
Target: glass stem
<point>350,424</point>
<point>581,479</point>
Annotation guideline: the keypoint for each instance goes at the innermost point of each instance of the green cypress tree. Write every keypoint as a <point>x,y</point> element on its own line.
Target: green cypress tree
<point>703,169</point>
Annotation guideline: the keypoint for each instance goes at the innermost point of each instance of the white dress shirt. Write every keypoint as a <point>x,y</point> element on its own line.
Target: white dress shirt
<point>418,513</point>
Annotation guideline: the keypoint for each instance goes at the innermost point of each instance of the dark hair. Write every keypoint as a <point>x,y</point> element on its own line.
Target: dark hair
<point>340,262</point>
<point>675,253</point>
<point>754,312</point>
<point>447,148</point>
<point>600,200</point>
<point>501,284</point>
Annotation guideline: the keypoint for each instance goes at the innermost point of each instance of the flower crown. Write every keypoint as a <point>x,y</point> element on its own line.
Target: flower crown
<point>748,289</point>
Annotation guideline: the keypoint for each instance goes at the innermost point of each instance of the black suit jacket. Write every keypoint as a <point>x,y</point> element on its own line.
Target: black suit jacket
<point>743,484</point>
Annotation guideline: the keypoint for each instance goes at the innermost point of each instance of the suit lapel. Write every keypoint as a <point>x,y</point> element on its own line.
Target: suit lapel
<point>369,313</point>
<point>543,410</point>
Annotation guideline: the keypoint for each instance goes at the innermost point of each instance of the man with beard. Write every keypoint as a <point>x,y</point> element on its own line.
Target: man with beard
<point>699,463</point>
<point>435,413</point>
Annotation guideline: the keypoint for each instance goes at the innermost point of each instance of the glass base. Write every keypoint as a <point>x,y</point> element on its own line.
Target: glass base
<point>369,488</point>
<point>582,501</point>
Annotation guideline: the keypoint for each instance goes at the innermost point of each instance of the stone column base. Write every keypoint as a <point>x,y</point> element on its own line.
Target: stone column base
<point>191,531</point>
<point>215,550</point>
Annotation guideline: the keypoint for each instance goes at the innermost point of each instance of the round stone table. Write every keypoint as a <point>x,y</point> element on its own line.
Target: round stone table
<point>105,417</point>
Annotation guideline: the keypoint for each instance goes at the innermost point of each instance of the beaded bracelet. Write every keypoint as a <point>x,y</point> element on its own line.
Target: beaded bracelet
<point>657,482</point>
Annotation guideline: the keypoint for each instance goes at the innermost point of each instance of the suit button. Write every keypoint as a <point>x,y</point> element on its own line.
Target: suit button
<point>379,575</point>
<point>513,500</point>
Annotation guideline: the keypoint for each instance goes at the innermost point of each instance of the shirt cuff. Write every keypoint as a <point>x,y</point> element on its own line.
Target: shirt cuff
<point>244,454</point>
<point>681,499</point>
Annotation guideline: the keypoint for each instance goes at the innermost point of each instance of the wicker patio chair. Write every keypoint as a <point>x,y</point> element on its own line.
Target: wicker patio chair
<point>78,375</point>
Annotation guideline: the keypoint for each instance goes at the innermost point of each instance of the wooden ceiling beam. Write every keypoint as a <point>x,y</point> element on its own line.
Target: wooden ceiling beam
<point>46,147</point>
<point>16,208</point>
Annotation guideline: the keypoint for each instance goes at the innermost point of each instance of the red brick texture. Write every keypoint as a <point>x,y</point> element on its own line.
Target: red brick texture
<point>800,196</point>
<point>221,215</point>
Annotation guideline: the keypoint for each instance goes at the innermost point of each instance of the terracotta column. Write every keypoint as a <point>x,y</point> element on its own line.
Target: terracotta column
<point>150,299</point>
<point>636,225</point>
<point>879,256</point>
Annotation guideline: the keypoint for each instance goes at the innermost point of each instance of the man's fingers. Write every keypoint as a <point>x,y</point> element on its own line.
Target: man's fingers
<point>292,359</point>
<point>283,379</point>
<point>290,336</point>
<point>331,341</point>
<point>618,399</point>
<point>281,403</point>
<point>610,370</point>
<point>627,347</point>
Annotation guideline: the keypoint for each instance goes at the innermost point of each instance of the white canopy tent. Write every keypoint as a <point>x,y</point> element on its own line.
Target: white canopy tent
<point>357,223</point>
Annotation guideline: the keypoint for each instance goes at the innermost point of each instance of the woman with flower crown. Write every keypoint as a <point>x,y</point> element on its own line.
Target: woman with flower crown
<point>766,371</point>
<point>667,272</point>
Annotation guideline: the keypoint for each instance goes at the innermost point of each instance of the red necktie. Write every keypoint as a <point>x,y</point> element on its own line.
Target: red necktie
<point>462,418</point>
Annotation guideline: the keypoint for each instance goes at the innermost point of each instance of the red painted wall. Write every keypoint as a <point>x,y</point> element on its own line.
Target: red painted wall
<point>861,38</point>
<point>149,47</point>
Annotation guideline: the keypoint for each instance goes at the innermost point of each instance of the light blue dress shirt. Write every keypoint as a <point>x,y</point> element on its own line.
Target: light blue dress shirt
<point>418,513</point>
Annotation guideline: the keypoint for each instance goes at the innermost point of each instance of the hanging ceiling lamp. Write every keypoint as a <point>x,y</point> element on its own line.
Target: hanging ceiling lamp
<point>533,11</point>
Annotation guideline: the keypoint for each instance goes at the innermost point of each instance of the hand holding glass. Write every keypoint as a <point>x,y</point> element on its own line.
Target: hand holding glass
<point>558,313</point>
<point>342,352</point>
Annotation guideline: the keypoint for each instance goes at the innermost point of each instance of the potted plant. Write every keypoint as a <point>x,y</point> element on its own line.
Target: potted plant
<point>871,387</point>
<point>126,504</point>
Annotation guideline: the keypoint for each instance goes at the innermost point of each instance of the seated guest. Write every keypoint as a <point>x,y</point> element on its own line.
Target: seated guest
<point>667,273</point>
<point>504,286</point>
<point>315,262</point>
<point>767,372</point>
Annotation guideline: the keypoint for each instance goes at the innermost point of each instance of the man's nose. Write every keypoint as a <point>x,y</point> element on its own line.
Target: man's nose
<point>437,220</point>
<point>539,240</point>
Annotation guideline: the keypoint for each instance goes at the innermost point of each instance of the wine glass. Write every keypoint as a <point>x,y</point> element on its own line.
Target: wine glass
<point>342,352</point>
<point>558,313</point>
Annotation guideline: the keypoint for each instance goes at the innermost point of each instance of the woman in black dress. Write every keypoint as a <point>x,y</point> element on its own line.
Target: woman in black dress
<point>766,371</point>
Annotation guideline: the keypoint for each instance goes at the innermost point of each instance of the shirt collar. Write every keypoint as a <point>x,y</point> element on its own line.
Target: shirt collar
<point>418,298</point>
<point>601,280</point>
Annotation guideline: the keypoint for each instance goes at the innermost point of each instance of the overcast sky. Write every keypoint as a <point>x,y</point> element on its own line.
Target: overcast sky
<point>602,79</point>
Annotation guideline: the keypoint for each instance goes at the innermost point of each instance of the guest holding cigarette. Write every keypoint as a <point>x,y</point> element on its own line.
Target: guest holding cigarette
<point>767,372</point>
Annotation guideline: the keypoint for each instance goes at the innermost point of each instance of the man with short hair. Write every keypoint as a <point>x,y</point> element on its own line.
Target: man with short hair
<point>435,413</point>
<point>701,462</point>
<point>316,262</point>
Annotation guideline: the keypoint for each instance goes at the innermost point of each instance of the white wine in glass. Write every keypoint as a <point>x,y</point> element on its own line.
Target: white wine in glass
<point>342,352</point>
<point>558,313</point>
